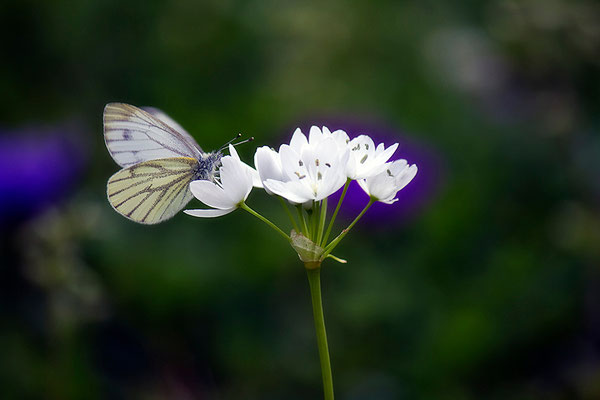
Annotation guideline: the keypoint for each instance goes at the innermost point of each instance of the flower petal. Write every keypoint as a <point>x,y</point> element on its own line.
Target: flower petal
<point>291,164</point>
<point>268,164</point>
<point>236,179</point>
<point>211,194</point>
<point>363,185</point>
<point>256,182</point>
<point>298,140</point>
<point>293,191</point>
<point>385,155</point>
<point>208,213</point>
<point>315,135</point>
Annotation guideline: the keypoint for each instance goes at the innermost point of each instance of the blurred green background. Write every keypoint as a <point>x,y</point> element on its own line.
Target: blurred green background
<point>487,286</point>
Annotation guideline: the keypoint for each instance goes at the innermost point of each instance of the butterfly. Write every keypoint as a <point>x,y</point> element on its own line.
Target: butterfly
<point>159,160</point>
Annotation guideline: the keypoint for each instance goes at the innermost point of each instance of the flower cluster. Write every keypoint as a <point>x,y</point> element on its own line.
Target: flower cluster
<point>306,172</point>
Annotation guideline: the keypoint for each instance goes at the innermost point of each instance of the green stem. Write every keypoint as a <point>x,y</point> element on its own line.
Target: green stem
<point>288,212</point>
<point>303,224</point>
<point>244,207</point>
<point>314,220</point>
<point>335,241</point>
<point>335,213</point>
<point>314,280</point>
<point>322,219</point>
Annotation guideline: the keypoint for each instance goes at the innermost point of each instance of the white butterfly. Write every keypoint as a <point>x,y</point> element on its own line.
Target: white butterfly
<point>159,160</point>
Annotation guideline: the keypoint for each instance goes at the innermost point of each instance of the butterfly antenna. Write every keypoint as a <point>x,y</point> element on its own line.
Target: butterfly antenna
<point>239,135</point>
<point>244,141</point>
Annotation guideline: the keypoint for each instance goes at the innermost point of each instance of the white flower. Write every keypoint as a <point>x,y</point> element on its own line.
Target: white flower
<point>306,169</point>
<point>225,195</point>
<point>366,160</point>
<point>268,165</point>
<point>384,186</point>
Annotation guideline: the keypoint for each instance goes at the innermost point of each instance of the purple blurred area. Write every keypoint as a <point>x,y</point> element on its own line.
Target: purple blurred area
<point>38,167</point>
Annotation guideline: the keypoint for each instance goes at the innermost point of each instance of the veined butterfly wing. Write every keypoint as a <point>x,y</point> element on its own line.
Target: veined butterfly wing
<point>133,135</point>
<point>152,191</point>
<point>157,113</point>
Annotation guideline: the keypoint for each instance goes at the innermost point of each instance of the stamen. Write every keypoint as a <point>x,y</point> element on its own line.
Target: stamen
<point>300,163</point>
<point>317,162</point>
<point>357,147</point>
<point>300,176</point>
<point>362,160</point>
<point>328,165</point>
<point>319,176</point>
<point>389,173</point>
<point>367,146</point>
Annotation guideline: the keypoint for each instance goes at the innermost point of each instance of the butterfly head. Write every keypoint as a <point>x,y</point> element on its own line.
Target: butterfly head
<point>208,165</point>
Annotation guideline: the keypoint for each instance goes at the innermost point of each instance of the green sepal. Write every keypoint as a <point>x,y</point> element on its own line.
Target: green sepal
<point>308,251</point>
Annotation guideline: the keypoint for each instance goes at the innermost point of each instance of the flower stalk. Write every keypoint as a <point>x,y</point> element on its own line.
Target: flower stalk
<point>314,281</point>
<point>244,207</point>
<point>337,209</point>
<point>329,248</point>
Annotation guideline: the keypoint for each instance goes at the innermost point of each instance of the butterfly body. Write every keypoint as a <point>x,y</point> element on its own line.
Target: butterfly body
<point>207,166</point>
<point>159,160</point>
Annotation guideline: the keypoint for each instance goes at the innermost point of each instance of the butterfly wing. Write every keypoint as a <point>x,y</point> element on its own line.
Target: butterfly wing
<point>157,113</point>
<point>133,135</point>
<point>152,191</point>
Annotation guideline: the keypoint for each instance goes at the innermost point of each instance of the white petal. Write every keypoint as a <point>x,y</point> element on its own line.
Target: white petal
<point>363,185</point>
<point>268,164</point>
<point>387,153</point>
<point>290,162</point>
<point>397,167</point>
<point>332,185</point>
<point>211,213</point>
<point>382,186</point>
<point>351,169</point>
<point>407,175</point>
<point>298,141</point>
<point>315,135</point>
<point>389,201</point>
<point>233,152</point>
<point>256,182</point>
<point>236,179</point>
<point>309,157</point>
<point>293,191</point>
<point>210,194</point>
<point>341,137</point>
